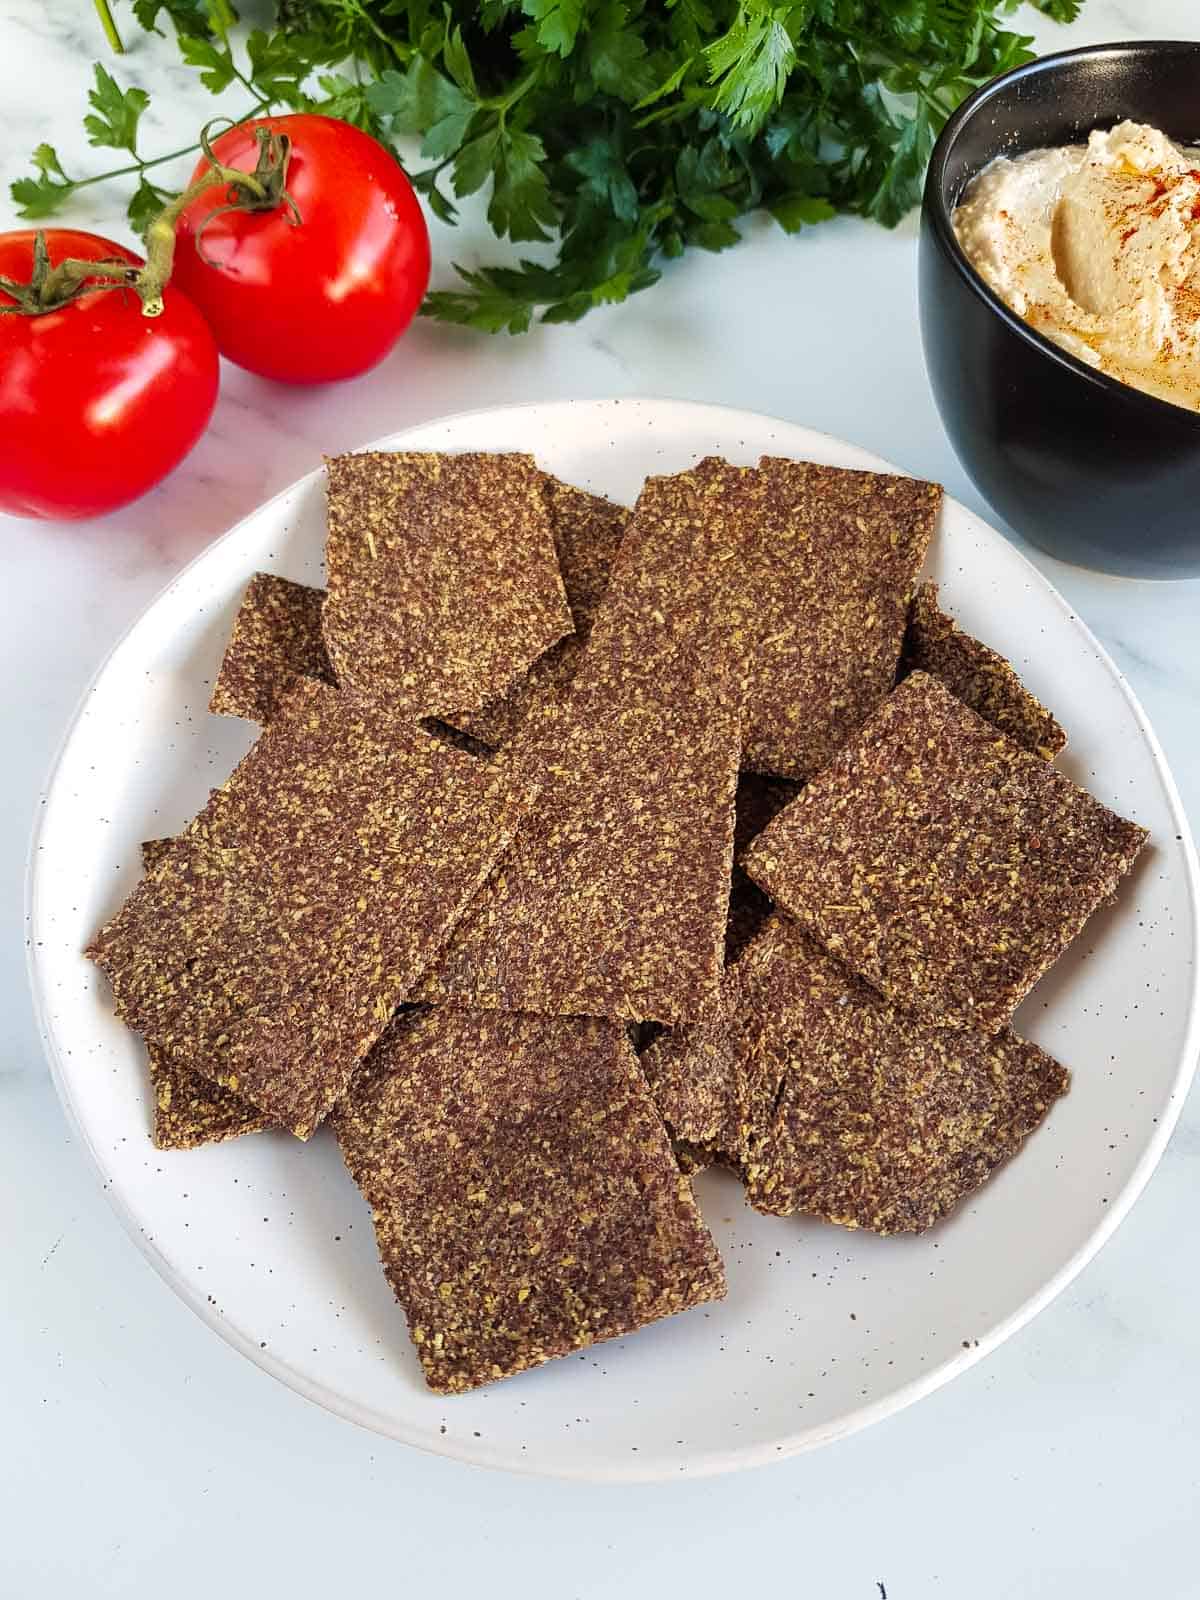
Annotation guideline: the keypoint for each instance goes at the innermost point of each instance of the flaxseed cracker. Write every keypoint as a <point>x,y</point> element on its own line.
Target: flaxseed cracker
<point>276,639</point>
<point>587,531</point>
<point>851,545</point>
<point>189,1109</point>
<point>977,675</point>
<point>614,898</point>
<point>269,946</point>
<point>809,570</point>
<point>525,1196</point>
<point>942,862</point>
<point>833,1103</point>
<point>443,579</point>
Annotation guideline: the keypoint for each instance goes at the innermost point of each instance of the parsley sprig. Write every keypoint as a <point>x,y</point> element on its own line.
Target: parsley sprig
<point>620,132</point>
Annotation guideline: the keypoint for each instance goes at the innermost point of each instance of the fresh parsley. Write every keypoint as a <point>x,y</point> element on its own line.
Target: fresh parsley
<point>622,132</point>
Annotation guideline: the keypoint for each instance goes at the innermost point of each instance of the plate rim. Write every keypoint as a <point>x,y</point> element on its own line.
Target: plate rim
<point>712,1462</point>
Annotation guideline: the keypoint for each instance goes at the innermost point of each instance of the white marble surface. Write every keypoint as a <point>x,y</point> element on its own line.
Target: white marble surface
<point>141,1456</point>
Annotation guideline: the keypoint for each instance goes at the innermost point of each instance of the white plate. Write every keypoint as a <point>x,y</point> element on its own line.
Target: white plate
<point>824,1330</point>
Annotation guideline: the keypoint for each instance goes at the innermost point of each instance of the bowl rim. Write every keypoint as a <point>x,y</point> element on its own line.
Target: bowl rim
<point>938,213</point>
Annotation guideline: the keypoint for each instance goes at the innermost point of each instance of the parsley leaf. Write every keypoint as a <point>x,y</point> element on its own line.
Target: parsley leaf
<point>458,62</point>
<point>902,174</point>
<point>557,22</point>
<point>189,16</point>
<point>617,56</point>
<point>217,70</point>
<point>606,177</point>
<point>147,201</point>
<point>279,63</point>
<point>795,211</point>
<point>42,196</point>
<point>423,101</point>
<point>521,204</point>
<point>115,114</point>
<point>1060,10</point>
<point>750,64</point>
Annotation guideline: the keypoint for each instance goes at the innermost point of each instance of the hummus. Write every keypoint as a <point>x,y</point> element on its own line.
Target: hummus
<point>1097,246</point>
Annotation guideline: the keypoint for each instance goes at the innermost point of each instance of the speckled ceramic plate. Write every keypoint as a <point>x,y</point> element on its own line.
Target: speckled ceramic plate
<point>824,1330</point>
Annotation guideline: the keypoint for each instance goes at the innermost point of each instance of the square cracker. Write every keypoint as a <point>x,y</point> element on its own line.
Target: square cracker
<point>832,1102</point>
<point>444,585</point>
<point>977,675</point>
<point>941,861</point>
<point>269,946</point>
<point>808,568</point>
<point>276,639</point>
<point>525,1196</point>
<point>587,532</point>
<point>614,898</point>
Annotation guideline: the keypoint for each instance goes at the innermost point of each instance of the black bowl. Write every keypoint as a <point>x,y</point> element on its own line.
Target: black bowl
<point>1086,467</point>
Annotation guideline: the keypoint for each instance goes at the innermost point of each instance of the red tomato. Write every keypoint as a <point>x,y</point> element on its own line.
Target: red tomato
<point>97,402</point>
<point>323,298</point>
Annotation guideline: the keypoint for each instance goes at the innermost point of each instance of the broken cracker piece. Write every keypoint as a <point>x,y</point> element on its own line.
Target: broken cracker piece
<point>833,1103</point>
<point>941,861</point>
<point>444,585</point>
<point>189,1109</point>
<point>276,639</point>
<point>270,945</point>
<point>977,675</point>
<point>587,531</point>
<point>525,1197</point>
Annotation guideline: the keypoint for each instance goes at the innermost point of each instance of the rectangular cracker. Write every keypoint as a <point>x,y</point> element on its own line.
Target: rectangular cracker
<point>832,1102</point>
<point>269,946</point>
<point>614,898</point>
<point>189,1109</point>
<point>832,633</point>
<point>808,568</point>
<point>276,639</point>
<point>977,675</point>
<point>444,585</point>
<point>525,1197</point>
<point>941,861</point>
<point>587,531</point>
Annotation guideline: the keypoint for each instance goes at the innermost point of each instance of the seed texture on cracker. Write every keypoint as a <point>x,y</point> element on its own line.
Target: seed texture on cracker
<point>832,1102</point>
<point>443,580</point>
<point>525,1196</point>
<point>942,862</point>
<point>271,942</point>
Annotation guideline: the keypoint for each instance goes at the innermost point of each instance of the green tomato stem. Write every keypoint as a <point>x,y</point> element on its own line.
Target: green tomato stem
<point>65,280</point>
<point>160,235</point>
<point>50,288</point>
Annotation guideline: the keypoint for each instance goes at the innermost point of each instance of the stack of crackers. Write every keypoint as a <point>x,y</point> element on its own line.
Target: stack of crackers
<point>583,847</point>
